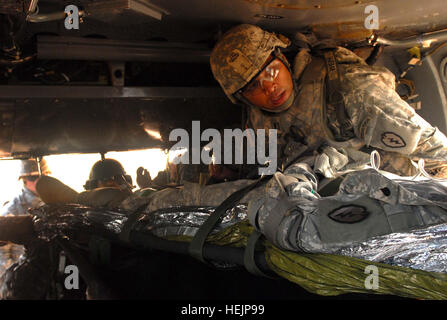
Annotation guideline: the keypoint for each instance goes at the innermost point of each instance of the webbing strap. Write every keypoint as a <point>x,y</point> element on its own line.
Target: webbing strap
<point>195,248</point>
<point>277,214</point>
<point>128,226</point>
<point>132,219</point>
<point>249,255</point>
<point>335,97</point>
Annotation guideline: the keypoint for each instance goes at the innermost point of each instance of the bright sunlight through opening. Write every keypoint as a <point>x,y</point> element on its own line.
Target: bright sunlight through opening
<point>74,169</point>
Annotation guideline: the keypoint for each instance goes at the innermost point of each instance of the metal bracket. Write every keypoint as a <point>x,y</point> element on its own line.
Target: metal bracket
<point>117,72</point>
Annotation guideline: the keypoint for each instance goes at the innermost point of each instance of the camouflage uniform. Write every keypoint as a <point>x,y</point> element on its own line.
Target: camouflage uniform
<point>10,253</point>
<point>380,118</point>
<point>26,198</point>
<point>21,203</point>
<point>292,215</point>
<point>288,210</point>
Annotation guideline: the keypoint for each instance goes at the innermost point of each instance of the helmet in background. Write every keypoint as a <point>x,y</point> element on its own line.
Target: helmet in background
<point>107,169</point>
<point>31,168</point>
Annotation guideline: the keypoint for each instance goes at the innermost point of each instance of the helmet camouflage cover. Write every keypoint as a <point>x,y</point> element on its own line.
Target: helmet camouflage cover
<point>240,54</point>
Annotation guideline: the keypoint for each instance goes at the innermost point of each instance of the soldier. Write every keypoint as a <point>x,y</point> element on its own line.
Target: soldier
<point>167,177</point>
<point>28,198</point>
<point>108,184</point>
<point>108,173</point>
<point>173,176</point>
<point>330,97</point>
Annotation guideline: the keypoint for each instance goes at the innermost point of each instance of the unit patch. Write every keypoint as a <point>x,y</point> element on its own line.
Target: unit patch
<point>348,214</point>
<point>392,140</point>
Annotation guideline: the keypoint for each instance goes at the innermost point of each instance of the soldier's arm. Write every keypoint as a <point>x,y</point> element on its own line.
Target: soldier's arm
<point>384,121</point>
<point>53,191</point>
<point>102,197</point>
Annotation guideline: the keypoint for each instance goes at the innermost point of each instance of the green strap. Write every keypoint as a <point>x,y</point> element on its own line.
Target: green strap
<point>195,248</point>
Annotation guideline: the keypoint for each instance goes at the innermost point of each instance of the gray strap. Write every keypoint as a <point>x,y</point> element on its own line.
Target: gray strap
<point>252,211</point>
<point>276,215</point>
<point>129,224</point>
<point>195,248</point>
<point>249,255</point>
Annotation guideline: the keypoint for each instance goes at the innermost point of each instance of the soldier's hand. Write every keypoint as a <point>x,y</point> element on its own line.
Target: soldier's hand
<point>144,179</point>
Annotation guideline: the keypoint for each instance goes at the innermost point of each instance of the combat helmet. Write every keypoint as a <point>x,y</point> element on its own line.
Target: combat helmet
<point>31,168</point>
<point>240,54</point>
<point>107,169</point>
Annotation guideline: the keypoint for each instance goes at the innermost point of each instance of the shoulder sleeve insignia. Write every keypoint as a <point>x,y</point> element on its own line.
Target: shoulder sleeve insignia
<point>392,140</point>
<point>349,214</point>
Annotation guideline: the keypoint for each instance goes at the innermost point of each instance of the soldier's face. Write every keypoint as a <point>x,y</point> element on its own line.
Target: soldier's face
<point>108,184</point>
<point>272,87</point>
<point>30,182</point>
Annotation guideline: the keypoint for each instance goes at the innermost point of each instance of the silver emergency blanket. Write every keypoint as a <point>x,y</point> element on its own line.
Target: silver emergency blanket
<point>68,220</point>
<point>421,243</point>
<point>185,221</point>
<point>374,216</point>
<point>424,249</point>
